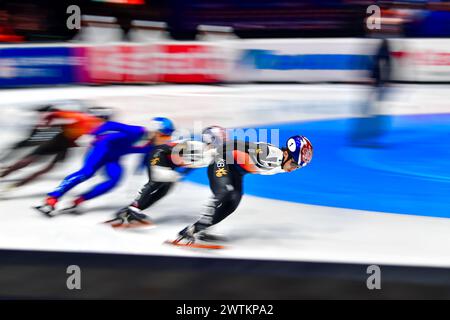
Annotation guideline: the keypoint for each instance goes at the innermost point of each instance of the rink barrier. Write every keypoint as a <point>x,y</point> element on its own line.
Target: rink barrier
<point>348,60</point>
<point>42,275</point>
<point>302,60</point>
<point>38,65</point>
<point>424,60</point>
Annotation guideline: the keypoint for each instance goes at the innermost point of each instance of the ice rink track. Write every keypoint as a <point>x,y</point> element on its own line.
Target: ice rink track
<point>261,228</point>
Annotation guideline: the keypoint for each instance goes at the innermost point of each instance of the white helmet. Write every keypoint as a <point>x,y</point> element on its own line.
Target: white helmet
<point>214,135</point>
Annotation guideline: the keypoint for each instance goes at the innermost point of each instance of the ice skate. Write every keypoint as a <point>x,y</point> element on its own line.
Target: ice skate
<point>48,208</point>
<point>130,217</point>
<point>188,238</point>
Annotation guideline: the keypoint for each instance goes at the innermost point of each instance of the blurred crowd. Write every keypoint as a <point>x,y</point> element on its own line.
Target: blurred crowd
<point>45,21</point>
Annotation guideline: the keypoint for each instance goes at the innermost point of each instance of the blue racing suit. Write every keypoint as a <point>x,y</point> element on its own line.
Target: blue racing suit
<point>113,141</point>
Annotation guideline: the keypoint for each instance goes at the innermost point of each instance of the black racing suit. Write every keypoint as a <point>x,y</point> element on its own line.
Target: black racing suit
<point>152,190</point>
<point>160,157</point>
<point>50,142</point>
<point>226,174</point>
<point>38,136</point>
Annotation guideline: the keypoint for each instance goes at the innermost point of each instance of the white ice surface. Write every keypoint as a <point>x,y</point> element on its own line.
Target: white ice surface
<point>260,228</point>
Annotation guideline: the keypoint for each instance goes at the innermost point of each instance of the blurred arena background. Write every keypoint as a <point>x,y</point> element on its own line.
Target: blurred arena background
<point>373,100</point>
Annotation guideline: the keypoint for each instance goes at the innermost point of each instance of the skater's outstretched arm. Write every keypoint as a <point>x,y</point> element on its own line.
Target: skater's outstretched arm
<point>112,126</point>
<point>145,149</point>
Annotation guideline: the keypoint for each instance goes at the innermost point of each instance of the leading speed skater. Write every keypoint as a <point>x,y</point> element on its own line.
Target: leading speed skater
<point>233,161</point>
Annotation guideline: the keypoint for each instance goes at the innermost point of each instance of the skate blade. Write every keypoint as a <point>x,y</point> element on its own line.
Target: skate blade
<point>195,245</point>
<point>121,225</point>
<point>46,214</point>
